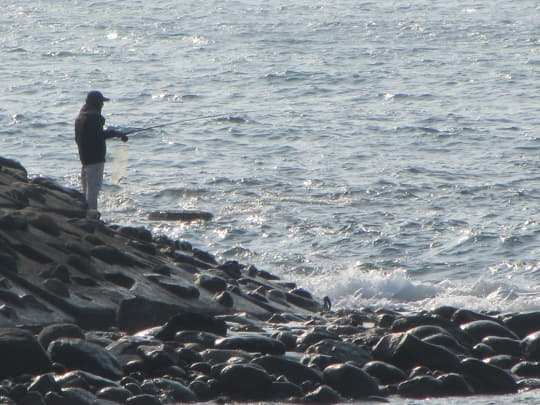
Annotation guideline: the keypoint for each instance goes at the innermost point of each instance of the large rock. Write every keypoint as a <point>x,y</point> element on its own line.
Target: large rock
<point>246,381</point>
<point>530,346</point>
<point>478,330</point>
<point>407,351</point>
<point>293,370</point>
<point>80,354</point>
<point>487,379</point>
<point>342,351</point>
<point>350,381</point>
<point>192,321</point>
<point>20,353</point>
<point>523,324</point>
<point>251,343</point>
<point>420,387</point>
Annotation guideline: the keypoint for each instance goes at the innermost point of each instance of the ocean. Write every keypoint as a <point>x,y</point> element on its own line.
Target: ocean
<point>382,153</point>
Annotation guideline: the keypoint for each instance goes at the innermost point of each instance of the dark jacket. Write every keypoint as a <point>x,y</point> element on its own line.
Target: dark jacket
<point>90,136</point>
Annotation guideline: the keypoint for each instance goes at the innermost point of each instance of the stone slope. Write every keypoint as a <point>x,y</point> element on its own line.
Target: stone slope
<point>58,266</point>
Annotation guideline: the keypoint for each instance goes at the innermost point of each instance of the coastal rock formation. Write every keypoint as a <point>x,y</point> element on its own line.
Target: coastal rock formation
<point>99,313</point>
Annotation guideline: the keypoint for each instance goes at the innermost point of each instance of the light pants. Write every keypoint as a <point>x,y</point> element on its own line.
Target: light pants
<point>92,179</point>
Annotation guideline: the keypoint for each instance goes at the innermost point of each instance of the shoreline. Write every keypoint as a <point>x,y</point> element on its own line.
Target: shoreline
<point>98,313</point>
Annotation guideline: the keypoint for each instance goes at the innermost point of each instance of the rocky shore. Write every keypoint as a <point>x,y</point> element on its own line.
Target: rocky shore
<point>93,313</point>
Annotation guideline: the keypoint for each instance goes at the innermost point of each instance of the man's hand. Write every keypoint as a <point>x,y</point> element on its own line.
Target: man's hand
<point>123,137</point>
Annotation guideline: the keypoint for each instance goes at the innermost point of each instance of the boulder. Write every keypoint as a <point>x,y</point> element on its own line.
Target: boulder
<point>527,369</point>
<point>322,395</point>
<point>523,324</point>
<point>530,345</point>
<point>246,381</point>
<point>385,373</point>
<point>293,370</point>
<point>192,321</point>
<point>478,330</point>
<point>487,379</point>
<point>342,351</point>
<point>406,351</point>
<point>79,354</point>
<point>251,343</point>
<point>420,387</point>
<point>350,381</point>
<point>21,353</point>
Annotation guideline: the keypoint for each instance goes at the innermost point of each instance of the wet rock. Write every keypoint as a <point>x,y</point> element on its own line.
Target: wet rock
<point>282,388</point>
<point>211,283</point>
<point>183,290</point>
<point>342,351</point>
<point>112,255</point>
<point>205,339</point>
<point>116,394</point>
<point>315,335</point>
<point>192,321</point>
<point>487,379</point>
<point>186,215</point>
<point>478,330</point>
<point>83,379</point>
<point>482,351</point>
<point>322,395</point>
<point>350,381</point>
<point>287,338</point>
<point>46,224</point>
<point>225,298</point>
<point>406,351</point>
<point>530,345</point>
<point>246,381</point>
<point>44,383</point>
<point>31,398</point>
<point>217,356</point>
<point>232,268</point>
<point>80,354</point>
<point>385,373</point>
<point>523,324</point>
<point>527,369</point>
<point>174,390</point>
<point>292,369</point>
<point>503,361</point>
<point>15,221</point>
<point>454,384</point>
<point>420,387</point>
<point>143,399</point>
<point>21,353</point>
<point>57,287</point>
<point>251,343</point>
<point>75,395</point>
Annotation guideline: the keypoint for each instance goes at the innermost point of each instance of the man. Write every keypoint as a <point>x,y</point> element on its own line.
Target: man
<point>90,137</point>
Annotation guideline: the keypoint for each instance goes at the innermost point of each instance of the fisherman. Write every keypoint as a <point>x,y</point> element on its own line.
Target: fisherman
<point>90,137</point>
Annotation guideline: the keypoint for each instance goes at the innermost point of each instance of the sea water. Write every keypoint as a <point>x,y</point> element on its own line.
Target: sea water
<point>382,153</point>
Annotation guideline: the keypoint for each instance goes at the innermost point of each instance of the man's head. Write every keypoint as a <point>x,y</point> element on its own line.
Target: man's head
<point>95,98</point>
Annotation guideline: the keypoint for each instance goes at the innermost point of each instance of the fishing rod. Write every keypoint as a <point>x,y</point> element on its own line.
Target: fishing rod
<point>177,122</point>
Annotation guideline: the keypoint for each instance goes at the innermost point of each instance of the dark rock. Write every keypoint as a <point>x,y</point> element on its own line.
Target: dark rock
<point>174,390</point>
<point>342,351</point>
<point>225,298</point>
<point>504,361</point>
<point>46,224</point>
<point>112,255</point>
<point>116,394</point>
<point>21,353</point>
<point>57,287</point>
<point>232,268</point>
<point>187,215</point>
<point>140,233</point>
<point>482,351</point>
<point>204,339</point>
<point>33,254</point>
<point>319,361</point>
<point>286,389</point>
<point>31,398</point>
<point>143,399</point>
<point>15,221</point>
<point>251,343</point>
<point>44,383</point>
<point>350,381</point>
<point>303,302</point>
<point>447,341</point>
<point>120,279</point>
<point>141,312</point>
<point>322,395</point>
<point>79,396</point>
<point>293,370</point>
<point>406,351</point>
<point>85,380</point>
<point>315,335</point>
<point>157,356</point>
<point>385,373</point>
<point>183,290</point>
<point>80,354</point>
<point>454,385</point>
<point>287,338</point>
<point>211,283</point>
<point>527,369</point>
<point>217,356</point>
<point>478,330</point>
<point>530,346</point>
<point>420,387</point>
<point>192,321</point>
<point>462,316</point>
<point>246,381</point>
<point>523,324</point>
<point>487,379</point>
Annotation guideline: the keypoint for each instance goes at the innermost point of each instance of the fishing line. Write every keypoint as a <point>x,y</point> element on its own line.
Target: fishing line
<point>133,131</point>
